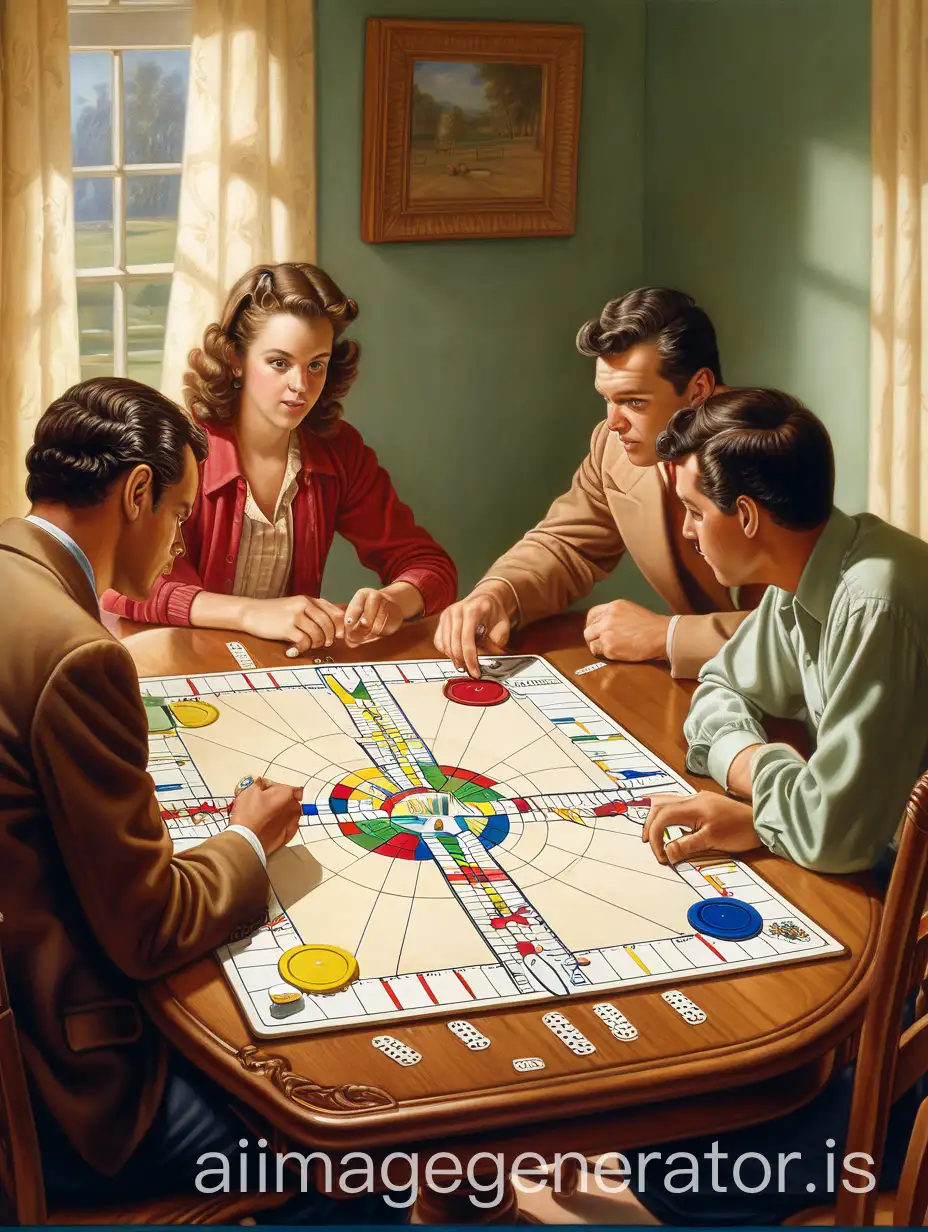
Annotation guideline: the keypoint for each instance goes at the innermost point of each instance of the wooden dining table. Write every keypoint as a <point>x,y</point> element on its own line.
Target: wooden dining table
<point>771,1039</point>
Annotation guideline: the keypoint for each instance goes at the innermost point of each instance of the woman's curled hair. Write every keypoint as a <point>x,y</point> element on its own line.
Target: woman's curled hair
<point>298,289</point>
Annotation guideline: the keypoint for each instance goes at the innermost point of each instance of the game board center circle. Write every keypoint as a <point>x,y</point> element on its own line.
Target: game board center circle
<point>423,823</point>
<point>418,801</point>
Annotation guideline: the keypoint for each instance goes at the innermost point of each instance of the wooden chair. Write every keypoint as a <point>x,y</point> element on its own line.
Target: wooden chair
<point>890,1061</point>
<point>22,1192</point>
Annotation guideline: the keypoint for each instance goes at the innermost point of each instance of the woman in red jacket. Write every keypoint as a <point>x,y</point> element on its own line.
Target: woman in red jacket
<point>284,473</point>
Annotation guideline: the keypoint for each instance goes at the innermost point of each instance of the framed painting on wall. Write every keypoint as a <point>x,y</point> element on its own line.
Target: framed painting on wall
<point>470,129</point>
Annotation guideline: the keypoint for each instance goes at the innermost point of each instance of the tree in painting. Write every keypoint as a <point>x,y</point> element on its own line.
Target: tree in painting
<point>514,92</point>
<point>476,130</point>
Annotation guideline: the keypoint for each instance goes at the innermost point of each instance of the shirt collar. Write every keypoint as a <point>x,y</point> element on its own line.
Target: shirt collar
<point>224,465</point>
<point>66,541</point>
<point>823,570</point>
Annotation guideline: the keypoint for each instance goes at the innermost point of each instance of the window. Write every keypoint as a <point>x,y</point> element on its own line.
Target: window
<point>129,69</point>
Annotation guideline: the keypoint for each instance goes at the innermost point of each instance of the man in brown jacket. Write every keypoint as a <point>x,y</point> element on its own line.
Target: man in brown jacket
<point>92,895</point>
<point>655,352</point>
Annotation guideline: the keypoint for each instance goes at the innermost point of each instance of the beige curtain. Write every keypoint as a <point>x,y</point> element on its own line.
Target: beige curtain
<point>899,312</point>
<point>38,298</point>
<point>248,190</point>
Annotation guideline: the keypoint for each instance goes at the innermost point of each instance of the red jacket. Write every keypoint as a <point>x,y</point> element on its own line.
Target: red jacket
<point>341,488</point>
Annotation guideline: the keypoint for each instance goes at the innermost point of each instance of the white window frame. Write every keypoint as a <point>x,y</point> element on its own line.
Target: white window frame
<point>118,26</point>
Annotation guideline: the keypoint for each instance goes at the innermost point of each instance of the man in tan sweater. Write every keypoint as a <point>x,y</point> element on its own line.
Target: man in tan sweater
<point>655,353</point>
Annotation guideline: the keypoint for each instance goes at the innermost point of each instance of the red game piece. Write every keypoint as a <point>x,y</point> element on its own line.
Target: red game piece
<point>468,692</point>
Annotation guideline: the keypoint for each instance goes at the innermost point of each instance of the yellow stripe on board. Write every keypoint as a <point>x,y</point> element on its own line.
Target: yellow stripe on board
<point>631,953</point>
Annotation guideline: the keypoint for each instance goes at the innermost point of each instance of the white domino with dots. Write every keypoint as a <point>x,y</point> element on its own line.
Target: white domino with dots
<point>590,667</point>
<point>568,1034</point>
<point>241,656</point>
<point>468,1034</point>
<point>616,1021</point>
<point>397,1051</point>
<point>688,1010</point>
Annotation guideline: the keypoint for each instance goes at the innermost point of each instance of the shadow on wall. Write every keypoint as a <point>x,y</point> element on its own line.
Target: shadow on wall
<point>758,195</point>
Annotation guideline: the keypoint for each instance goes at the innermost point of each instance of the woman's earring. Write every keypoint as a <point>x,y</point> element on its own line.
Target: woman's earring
<point>236,383</point>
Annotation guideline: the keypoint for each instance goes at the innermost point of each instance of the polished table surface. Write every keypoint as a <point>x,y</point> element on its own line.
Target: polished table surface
<point>770,1041</point>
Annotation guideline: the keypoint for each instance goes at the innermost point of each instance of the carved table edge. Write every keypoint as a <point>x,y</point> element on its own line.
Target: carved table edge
<point>308,1094</point>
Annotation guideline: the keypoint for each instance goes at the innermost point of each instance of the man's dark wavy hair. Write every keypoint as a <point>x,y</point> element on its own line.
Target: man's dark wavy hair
<point>681,331</point>
<point>99,430</point>
<point>759,443</point>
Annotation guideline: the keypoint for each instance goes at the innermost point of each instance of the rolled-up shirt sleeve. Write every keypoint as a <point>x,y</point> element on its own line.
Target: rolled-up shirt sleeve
<point>756,673</point>
<point>838,812</point>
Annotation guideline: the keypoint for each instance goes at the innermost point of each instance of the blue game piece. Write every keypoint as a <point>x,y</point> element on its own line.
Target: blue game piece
<point>726,919</point>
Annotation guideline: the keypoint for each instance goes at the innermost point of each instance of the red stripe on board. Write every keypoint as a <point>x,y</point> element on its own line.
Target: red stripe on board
<point>392,995</point>
<point>403,674</point>
<point>273,681</point>
<point>424,984</point>
<point>193,688</point>
<point>248,682</point>
<point>470,991</point>
<point>711,947</point>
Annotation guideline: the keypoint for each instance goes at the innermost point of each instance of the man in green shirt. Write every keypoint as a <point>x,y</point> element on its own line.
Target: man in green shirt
<point>840,640</point>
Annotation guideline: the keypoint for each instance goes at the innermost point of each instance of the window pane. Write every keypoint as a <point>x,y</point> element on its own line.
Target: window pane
<point>93,222</point>
<point>146,311</point>
<point>95,320</point>
<point>155,84</point>
<point>91,108</point>
<point>151,218</point>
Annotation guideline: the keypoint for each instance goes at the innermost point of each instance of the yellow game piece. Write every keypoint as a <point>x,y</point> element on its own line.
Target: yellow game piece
<point>194,713</point>
<point>318,968</point>
<point>282,994</point>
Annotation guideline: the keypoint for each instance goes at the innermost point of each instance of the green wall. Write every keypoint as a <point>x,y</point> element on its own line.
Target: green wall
<point>758,194</point>
<point>724,149</point>
<point>471,390</point>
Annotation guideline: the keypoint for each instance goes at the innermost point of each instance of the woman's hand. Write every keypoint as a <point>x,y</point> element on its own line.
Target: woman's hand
<point>306,623</point>
<point>374,613</point>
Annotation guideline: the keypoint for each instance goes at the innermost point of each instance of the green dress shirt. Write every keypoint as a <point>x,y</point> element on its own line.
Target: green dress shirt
<point>848,653</point>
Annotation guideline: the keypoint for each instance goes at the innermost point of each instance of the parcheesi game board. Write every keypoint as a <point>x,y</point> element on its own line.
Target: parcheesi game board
<point>471,844</point>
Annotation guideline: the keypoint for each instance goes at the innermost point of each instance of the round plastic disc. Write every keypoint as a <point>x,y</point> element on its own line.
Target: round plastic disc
<point>318,968</point>
<point>468,692</point>
<point>194,713</point>
<point>726,919</point>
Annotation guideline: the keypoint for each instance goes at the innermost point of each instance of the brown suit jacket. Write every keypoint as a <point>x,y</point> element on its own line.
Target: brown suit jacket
<point>92,895</point>
<point>614,507</point>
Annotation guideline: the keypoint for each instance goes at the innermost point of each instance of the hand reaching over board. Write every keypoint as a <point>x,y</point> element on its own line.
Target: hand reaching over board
<point>481,621</point>
<point>271,811</point>
<point>712,823</point>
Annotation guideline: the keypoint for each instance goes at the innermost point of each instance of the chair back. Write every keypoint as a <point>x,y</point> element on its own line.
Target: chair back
<point>22,1193</point>
<point>888,1062</point>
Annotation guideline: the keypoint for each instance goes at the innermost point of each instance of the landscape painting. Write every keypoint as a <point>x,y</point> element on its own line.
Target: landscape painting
<point>476,131</point>
<point>471,129</point>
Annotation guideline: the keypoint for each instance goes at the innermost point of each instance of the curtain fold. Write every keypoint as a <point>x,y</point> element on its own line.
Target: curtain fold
<point>38,297</point>
<point>248,187</point>
<point>898,487</point>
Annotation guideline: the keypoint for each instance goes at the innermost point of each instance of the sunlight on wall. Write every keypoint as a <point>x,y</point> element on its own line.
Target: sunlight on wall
<point>831,324</point>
